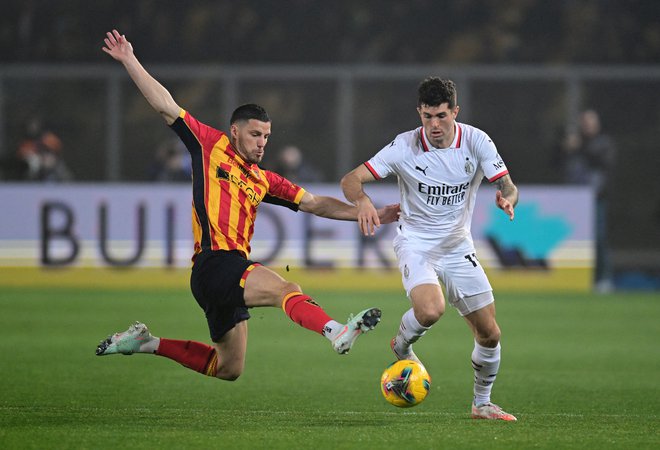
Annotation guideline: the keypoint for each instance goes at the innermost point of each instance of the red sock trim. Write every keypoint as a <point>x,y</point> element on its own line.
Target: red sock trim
<point>305,312</point>
<point>194,355</point>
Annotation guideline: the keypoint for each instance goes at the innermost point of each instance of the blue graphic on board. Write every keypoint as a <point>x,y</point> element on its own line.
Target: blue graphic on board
<point>529,240</point>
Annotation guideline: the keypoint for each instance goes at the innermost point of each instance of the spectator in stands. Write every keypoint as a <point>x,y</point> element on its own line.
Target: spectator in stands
<point>588,156</point>
<point>292,165</point>
<point>40,154</point>
<point>171,162</point>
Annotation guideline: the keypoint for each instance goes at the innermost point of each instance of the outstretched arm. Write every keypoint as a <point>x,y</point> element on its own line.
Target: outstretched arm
<point>333,208</point>
<point>367,216</point>
<point>158,97</point>
<point>506,196</point>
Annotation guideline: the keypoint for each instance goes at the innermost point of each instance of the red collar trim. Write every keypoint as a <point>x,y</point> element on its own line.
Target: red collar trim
<point>422,138</point>
<point>459,133</point>
<point>457,130</point>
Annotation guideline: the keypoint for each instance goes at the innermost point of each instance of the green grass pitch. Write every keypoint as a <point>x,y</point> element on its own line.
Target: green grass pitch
<point>579,371</point>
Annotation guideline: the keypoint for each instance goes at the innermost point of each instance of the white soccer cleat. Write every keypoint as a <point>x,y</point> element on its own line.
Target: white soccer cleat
<point>492,412</point>
<point>127,342</point>
<point>363,322</point>
<point>400,354</point>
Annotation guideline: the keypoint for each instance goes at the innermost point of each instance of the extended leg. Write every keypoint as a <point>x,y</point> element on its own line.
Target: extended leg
<point>197,356</point>
<point>263,287</point>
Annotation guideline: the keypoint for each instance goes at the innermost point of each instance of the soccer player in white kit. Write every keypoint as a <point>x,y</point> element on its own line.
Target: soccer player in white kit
<point>439,167</point>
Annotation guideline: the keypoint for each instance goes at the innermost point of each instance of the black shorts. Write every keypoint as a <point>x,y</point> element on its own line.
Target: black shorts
<point>215,282</point>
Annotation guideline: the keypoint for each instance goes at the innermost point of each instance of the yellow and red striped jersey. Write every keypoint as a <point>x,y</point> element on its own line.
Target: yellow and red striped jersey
<point>226,189</point>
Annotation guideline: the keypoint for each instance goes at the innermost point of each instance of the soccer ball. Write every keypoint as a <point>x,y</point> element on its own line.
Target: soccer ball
<point>405,383</point>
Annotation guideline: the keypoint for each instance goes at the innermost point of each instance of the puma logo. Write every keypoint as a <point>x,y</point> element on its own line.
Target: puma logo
<point>422,170</point>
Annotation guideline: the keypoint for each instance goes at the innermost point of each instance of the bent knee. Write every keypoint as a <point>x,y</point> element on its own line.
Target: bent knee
<point>429,315</point>
<point>228,374</point>
<point>286,288</point>
<point>230,370</point>
<point>289,286</point>
<point>428,303</point>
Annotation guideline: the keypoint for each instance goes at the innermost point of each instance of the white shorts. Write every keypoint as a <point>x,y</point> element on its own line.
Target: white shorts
<point>466,284</point>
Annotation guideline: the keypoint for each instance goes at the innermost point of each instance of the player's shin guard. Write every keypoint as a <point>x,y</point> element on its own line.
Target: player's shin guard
<point>486,363</point>
<point>305,312</point>
<point>194,355</point>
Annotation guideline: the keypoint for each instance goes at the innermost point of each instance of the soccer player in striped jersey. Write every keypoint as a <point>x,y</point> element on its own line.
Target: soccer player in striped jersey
<point>439,167</point>
<point>228,186</point>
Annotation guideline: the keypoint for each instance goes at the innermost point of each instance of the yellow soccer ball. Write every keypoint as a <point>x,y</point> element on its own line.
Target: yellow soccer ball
<point>405,383</point>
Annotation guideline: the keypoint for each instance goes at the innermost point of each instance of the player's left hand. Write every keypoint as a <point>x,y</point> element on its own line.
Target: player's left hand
<point>389,213</point>
<point>117,46</point>
<point>504,204</point>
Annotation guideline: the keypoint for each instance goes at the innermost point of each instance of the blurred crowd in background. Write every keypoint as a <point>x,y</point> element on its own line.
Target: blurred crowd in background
<point>340,31</point>
<point>57,129</point>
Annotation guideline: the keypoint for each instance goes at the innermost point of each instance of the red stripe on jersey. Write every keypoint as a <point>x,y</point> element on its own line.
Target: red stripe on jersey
<point>460,135</point>
<point>250,233</point>
<point>225,198</point>
<point>498,176</point>
<point>240,223</point>
<point>252,211</point>
<point>422,138</point>
<point>371,169</point>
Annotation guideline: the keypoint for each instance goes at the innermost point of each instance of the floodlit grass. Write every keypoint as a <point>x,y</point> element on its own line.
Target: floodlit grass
<point>579,371</point>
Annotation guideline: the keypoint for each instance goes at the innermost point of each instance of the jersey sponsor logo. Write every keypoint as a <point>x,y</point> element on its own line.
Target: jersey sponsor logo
<point>247,172</point>
<point>244,171</point>
<point>443,194</point>
<point>422,170</point>
<point>221,173</point>
<point>251,194</point>
<point>499,163</point>
<point>254,173</point>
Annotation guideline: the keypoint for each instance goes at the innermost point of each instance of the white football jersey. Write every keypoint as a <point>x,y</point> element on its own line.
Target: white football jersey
<point>438,186</point>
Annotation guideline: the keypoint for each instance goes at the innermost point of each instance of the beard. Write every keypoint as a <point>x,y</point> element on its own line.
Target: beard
<point>254,159</point>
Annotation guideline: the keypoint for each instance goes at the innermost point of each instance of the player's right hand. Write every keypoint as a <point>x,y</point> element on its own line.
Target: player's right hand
<point>389,213</point>
<point>117,46</point>
<point>367,218</point>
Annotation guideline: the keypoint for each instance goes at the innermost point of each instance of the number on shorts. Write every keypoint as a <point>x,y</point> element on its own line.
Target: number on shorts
<point>472,258</point>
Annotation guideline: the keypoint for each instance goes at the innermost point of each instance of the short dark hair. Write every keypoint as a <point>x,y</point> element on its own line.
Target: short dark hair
<point>435,91</point>
<point>247,112</point>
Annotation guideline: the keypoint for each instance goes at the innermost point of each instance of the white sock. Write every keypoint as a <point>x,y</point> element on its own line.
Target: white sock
<point>332,329</point>
<point>409,331</point>
<point>150,346</point>
<point>486,363</point>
